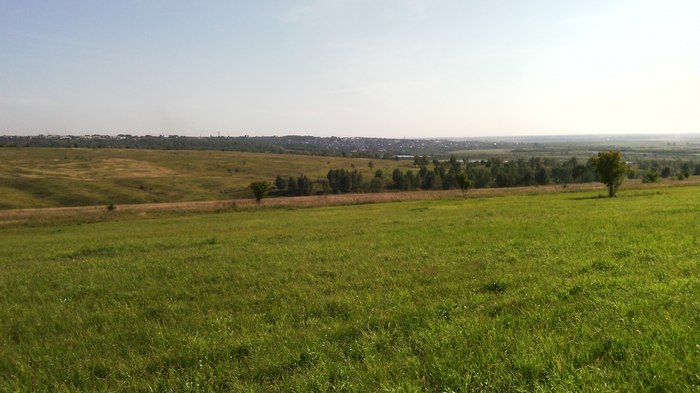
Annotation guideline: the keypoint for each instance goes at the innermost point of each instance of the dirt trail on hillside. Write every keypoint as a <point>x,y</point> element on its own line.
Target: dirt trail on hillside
<point>314,200</point>
<point>27,216</point>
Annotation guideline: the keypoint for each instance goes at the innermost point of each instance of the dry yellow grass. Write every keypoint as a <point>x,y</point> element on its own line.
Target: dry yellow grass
<point>55,177</point>
<point>110,168</point>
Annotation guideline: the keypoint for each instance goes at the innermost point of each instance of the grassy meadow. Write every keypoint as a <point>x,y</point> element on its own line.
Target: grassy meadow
<point>562,292</point>
<point>51,177</point>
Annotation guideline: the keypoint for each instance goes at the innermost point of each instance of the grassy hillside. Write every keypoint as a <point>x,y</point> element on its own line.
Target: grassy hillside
<point>49,177</point>
<point>564,292</point>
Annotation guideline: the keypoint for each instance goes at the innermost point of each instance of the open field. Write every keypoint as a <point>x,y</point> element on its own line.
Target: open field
<point>65,177</point>
<point>564,292</point>
<point>52,177</point>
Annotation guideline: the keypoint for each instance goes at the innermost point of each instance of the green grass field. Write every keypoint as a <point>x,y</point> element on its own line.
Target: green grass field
<point>563,292</point>
<point>51,177</point>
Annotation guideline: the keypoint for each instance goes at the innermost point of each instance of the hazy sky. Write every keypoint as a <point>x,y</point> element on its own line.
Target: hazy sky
<point>388,68</point>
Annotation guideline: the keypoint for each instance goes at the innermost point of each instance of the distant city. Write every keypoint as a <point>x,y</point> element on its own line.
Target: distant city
<point>677,145</point>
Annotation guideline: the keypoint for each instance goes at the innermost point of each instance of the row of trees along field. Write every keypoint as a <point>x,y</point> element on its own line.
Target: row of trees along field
<point>493,172</point>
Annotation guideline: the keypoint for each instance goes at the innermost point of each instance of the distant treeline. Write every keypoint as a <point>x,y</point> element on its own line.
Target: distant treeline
<point>679,169</point>
<point>493,172</point>
<point>385,148</point>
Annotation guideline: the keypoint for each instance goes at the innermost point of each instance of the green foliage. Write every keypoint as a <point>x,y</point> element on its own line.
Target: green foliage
<point>651,176</point>
<point>295,186</point>
<point>577,294</point>
<point>685,169</point>
<point>666,172</point>
<point>611,169</point>
<point>542,176</point>
<point>281,183</point>
<point>666,168</point>
<point>259,189</point>
<point>376,185</point>
<point>341,181</point>
<point>463,182</point>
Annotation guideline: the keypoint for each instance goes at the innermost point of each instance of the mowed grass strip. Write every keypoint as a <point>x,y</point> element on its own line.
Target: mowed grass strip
<point>563,292</point>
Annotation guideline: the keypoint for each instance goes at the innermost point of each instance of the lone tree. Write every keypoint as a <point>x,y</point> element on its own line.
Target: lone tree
<point>463,182</point>
<point>611,169</point>
<point>259,189</point>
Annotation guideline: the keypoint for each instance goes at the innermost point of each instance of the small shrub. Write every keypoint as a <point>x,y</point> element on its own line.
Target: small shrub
<point>111,206</point>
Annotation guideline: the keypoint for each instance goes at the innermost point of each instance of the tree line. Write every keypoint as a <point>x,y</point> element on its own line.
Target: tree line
<point>607,167</point>
<point>652,170</point>
<point>442,175</point>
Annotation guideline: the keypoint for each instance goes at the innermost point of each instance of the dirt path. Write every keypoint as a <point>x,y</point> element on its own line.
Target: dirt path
<point>314,200</point>
<point>15,217</point>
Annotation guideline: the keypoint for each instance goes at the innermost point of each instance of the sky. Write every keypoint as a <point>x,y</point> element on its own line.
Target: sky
<point>380,68</point>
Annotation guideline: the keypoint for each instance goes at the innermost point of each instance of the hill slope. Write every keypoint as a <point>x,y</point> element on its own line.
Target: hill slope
<point>554,292</point>
<point>51,177</point>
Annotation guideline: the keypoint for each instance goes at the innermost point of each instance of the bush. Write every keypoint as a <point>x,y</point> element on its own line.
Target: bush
<point>259,189</point>
<point>652,176</point>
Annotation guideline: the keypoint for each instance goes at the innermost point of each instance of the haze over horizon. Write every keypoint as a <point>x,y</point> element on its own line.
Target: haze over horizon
<point>385,68</point>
